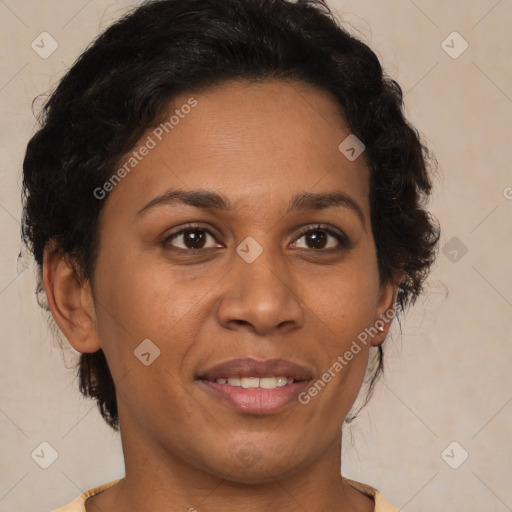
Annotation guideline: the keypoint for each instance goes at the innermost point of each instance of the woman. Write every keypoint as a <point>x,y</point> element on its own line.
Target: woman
<point>226,206</point>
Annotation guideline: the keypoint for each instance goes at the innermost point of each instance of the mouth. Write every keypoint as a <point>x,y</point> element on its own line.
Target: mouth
<point>269,382</point>
<point>256,387</point>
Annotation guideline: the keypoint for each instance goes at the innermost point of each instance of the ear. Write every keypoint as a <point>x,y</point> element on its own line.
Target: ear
<point>70,300</point>
<point>386,307</point>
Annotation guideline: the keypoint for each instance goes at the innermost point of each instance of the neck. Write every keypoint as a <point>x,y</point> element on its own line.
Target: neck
<point>159,480</point>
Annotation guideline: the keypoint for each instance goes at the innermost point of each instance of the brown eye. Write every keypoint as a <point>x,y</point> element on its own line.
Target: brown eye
<point>321,238</point>
<point>190,238</point>
<point>194,239</point>
<point>316,239</point>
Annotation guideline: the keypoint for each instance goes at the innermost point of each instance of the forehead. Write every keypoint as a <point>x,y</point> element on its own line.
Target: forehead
<point>255,142</point>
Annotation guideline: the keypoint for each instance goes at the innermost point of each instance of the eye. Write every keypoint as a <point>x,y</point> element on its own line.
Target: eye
<point>191,238</point>
<point>194,238</point>
<point>319,237</point>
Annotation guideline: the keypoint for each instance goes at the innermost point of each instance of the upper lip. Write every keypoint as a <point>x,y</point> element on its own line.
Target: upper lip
<point>249,367</point>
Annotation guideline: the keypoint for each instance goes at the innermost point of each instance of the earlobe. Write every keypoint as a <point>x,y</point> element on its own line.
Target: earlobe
<point>386,308</point>
<point>70,301</point>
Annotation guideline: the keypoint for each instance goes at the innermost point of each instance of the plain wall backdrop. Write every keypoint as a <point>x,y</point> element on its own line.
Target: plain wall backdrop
<point>447,389</point>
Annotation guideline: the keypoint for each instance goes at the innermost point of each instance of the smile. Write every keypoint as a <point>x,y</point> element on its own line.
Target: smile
<point>249,395</point>
<point>256,382</point>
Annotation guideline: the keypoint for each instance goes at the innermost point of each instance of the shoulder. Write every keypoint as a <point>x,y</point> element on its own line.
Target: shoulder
<point>78,504</point>
<point>381,505</point>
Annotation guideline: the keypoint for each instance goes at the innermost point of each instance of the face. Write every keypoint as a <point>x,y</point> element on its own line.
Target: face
<point>217,245</point>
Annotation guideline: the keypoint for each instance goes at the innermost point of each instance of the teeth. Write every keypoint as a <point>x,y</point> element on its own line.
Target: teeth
<point>282,381</point>
<point>256,382</point>
<point>269,382</point>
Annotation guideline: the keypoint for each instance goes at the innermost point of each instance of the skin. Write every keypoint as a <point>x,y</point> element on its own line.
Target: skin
<point>258,145</point>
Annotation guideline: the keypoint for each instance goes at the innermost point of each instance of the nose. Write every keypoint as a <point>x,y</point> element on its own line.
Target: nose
<point>260,297</point>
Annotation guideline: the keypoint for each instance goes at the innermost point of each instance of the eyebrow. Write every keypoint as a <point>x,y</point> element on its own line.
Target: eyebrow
<point>208,200</point>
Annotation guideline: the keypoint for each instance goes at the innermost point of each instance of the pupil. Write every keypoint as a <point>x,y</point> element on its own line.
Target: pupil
<point>316,237</point>
<point>194,237</point>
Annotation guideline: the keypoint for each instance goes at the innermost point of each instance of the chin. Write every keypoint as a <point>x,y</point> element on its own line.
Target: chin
<point>250,465</point>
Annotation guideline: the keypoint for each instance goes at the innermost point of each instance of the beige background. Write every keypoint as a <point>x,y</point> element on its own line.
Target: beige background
<point>448,376</point>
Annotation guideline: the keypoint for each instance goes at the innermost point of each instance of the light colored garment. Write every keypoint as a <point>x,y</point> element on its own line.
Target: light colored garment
<point>78,505</point>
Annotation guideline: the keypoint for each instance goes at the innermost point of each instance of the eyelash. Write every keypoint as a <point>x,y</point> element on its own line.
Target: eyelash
<point>344,242</point>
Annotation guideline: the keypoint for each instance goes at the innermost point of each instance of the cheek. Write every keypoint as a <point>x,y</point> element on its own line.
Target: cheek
<point>348,311</point>
<point>133,304</point>
<point>346,299</point>
<point>142,297</point>
<point>137,303</point>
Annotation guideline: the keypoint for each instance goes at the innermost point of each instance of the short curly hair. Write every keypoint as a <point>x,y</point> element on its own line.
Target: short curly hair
<point>122,85</point>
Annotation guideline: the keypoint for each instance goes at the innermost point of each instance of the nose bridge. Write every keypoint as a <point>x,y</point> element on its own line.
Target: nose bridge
<point>260,290</point>
<point>265,277</point>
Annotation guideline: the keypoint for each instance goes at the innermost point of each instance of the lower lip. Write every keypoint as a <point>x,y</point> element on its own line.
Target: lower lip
<point>256,400</point>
